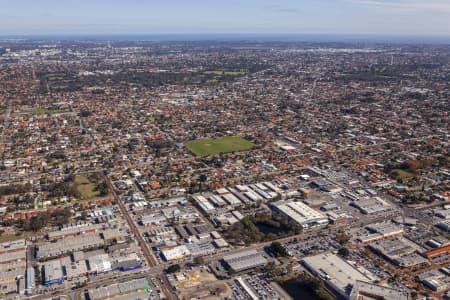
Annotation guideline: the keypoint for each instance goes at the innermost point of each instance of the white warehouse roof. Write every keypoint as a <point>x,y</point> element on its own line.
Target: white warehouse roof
<point>301,213</point>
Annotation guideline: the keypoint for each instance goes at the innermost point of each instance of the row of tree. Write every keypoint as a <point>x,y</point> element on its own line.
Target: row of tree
<point>13,189</point>
<point>36,223</point>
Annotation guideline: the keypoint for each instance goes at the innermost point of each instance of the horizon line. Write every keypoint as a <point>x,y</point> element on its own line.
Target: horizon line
<point>224,36</point>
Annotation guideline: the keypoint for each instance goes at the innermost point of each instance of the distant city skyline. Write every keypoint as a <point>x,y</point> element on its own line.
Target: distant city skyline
<point>382,17</point>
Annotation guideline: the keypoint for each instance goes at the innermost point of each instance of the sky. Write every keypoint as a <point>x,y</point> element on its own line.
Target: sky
<point>357,17</point>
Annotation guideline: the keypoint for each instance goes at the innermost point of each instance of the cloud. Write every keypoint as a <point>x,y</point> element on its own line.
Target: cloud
<point>432,5</point>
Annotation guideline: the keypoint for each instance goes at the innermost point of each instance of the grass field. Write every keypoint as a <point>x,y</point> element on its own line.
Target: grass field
<point>46,111</point>
<point>212,81</point>
<point>86,188</point>
<point>206,147</point>
<point>402,174</point>
<point>227,73</point>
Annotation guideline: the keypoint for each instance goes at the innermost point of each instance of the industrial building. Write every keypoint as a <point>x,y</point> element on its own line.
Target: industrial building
<point>69,245</point>
<point>330,206</point>
<point>245,260</point>
<point>117,289</point>
<point>30,282</point>
<point>180,214</point>
<point>13,246</point>
<point>53,272</point>
<point>443,214</point>
<point>435,280</point>
<point>327,186</point>
<point>380,231</point>
<point>100,263</point>
<point>386,229</point>
<point>73,269</point>
<point>400,251</point>
<point>364,290</point>
<point>11,257</point>
<point>12,287</point>
<point>113,234</point>
<point>201,249</point>
<point>337,272</point>
<point>225,199</point>
<point>12,260</point>
<point>438,242</point>
<point>74,229</point>
<point>20,264</point>
<point>175,252</point>
<point>372,205</point>
<point>225,219</point>
<point>444,225</point>
<point>231,199</point>
<point>220,243</point>
<point>153,219</point>
<point>203,203</point>
<point>434,253</point>
<point>126,265</point>
<point>12,275</point>
<point>161,231</point>
<point>300,213</point>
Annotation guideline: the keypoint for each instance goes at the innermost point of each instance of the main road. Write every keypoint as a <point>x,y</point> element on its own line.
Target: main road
<point>145,250</point>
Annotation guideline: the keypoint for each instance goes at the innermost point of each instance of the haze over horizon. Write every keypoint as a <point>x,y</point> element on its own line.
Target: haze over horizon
<point>351,17</point>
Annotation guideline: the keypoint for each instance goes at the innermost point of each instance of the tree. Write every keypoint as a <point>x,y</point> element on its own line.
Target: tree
<point>270,266</point>
<point>173,268</point>
<point>36,223</point>
<point>37,272</point>
<point>342,238</point>
<point>203,178</point>
<point>15,189</point>
<point>102,188</point>
<point>85,113</point>
<point>199,260</point>
<point>61,217</point>
<point>84,215</point>
<point>344,252</point>
<point>394,278</point>
<point>278,250</point>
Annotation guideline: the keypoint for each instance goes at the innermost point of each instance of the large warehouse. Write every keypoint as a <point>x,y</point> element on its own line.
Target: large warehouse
<point>365,290</point>
<point>301,213</point>
<point>53,272</point>
<point>245,260</point>
<point>337,272</point>
<point>175,252</point>
<point>372,205</point>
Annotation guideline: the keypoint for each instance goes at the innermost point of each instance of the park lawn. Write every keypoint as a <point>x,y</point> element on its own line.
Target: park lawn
<point>207,147</point>
<point>226,73</point>
<point>402,174</point>
<point>46,111</point>
<point>212,82</point>
<point>86,188</point>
